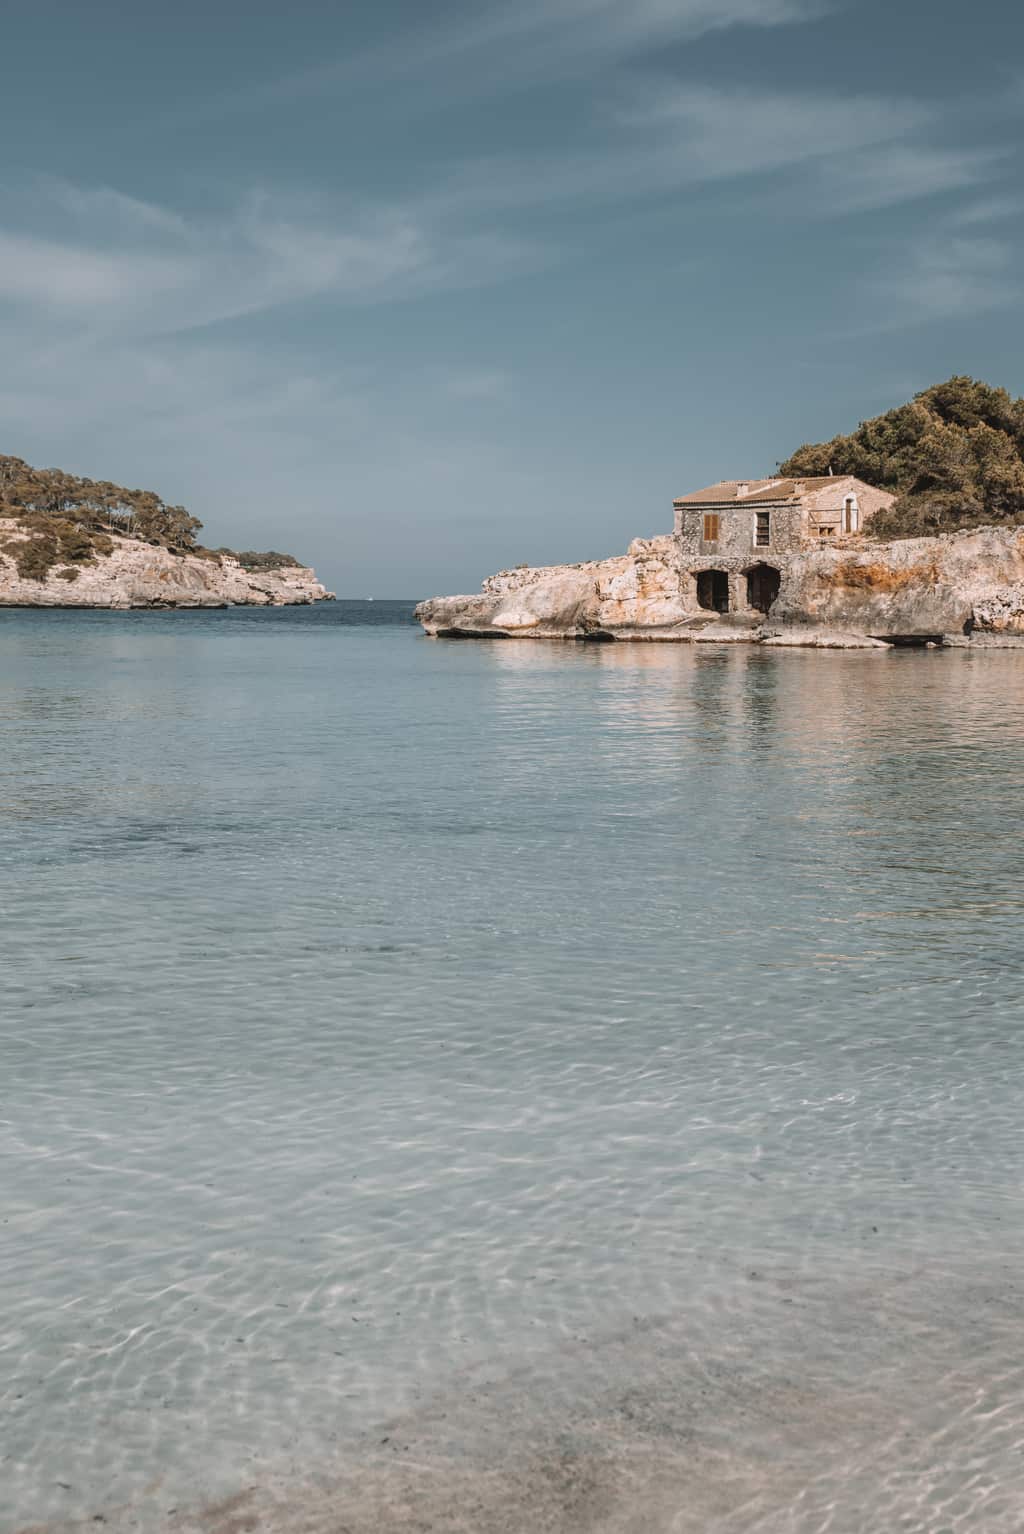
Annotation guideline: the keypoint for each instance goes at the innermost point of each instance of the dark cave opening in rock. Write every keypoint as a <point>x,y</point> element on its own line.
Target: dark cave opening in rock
<point>713,590</point>
<point>763,583</point>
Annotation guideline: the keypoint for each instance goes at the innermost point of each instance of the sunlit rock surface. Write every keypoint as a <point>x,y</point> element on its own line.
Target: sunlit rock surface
<point>138,574</point>
<point>960,587</point>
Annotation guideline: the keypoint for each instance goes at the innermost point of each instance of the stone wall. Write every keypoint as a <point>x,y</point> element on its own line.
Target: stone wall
<point>735,546</point>
<point>735,552</point>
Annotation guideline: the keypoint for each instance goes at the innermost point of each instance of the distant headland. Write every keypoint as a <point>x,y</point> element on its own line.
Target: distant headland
<point>909,530</point>
<point>66,541</point>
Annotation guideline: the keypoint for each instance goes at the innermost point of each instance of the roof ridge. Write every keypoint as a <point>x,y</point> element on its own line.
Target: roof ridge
<point>777,486</point>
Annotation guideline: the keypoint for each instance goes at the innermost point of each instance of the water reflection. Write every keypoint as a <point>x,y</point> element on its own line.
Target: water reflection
<point>630,1033</point>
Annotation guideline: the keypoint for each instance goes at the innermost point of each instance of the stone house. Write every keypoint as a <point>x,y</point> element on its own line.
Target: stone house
<point>736,537</point>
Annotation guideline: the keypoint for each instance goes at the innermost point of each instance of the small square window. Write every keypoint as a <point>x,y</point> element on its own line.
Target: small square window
<point>711,527</point>
<point>762,529</point>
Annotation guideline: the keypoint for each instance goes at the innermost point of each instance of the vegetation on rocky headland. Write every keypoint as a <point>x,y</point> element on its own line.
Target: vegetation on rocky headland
<point>66,521</point>
<point>954,456</point>
<point>45,541</point>
<point>249,559</point>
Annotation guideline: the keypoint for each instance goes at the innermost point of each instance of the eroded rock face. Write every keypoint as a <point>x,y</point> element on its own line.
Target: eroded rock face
<point>137,574</point>
<point>917,589</point>
<point>638,590</point>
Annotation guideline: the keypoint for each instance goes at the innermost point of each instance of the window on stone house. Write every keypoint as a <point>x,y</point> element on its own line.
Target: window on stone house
<point>762,529</point>
<point>711,527</point>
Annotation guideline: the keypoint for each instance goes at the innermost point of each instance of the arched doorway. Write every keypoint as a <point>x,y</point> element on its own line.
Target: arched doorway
<point>713,590</point>
<point>763,583</point>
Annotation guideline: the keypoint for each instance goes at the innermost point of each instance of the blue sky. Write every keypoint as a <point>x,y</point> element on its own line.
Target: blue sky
<point>419,290</point>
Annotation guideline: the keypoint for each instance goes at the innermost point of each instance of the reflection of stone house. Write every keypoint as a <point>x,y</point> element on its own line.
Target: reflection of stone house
<point>736,537</point>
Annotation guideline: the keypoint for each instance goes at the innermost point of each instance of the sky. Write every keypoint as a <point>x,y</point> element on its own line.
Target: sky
<point>421,289</point>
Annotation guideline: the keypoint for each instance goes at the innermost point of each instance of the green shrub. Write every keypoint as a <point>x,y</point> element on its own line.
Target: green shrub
<point>954,457</point>
<point>93,504</point>
<point>250,559</point>
<point>82,514</point>
<point>33,557</point>
<point>54,539</point>
<point>75,542</point>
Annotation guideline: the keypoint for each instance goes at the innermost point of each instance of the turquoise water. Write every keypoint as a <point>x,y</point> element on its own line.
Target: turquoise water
<point>506,1085</point>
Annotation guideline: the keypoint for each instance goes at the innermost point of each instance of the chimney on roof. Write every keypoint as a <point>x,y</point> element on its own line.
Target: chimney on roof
<point>742,487</point>
<point>830,471</point>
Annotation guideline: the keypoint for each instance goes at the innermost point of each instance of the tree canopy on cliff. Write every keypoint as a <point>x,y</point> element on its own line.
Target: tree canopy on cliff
<point>97,505</point>
<point>954,456</point>
<point>69,518</point>
<point>253,559</point>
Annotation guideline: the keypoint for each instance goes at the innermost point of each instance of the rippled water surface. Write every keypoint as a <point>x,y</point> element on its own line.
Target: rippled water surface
<point>507,1085</point>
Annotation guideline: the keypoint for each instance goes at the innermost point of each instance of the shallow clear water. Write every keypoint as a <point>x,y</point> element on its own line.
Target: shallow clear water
<point>568,1082</point>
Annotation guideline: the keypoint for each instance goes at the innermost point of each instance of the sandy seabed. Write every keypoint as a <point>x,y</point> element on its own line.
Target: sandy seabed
<point>891,1404</point>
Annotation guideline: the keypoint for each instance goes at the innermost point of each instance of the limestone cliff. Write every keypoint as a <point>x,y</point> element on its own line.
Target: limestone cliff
<point>963,588</point>
<point>139,574</point>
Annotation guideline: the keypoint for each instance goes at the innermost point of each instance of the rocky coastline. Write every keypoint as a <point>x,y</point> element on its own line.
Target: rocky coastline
<point>135,573</point>
<point>962,589</point>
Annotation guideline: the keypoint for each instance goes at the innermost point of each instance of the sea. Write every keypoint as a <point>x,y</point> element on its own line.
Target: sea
<point>506,1085</point>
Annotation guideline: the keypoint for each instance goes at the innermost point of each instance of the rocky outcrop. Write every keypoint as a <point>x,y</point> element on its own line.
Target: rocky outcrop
<point>639,590</point>
<point>138,574</point>
<point>961,586</point>
<point>915,587</point>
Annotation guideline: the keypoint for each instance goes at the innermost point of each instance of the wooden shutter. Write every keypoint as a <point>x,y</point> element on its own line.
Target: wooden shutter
<point>711,527</point>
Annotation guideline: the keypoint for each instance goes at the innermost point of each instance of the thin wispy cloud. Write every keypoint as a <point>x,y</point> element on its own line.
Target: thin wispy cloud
<point>893,173</point>
<point>119,214</point>
<point>988,210</point>
<point>856,152</point>
<point>66,277</point>
<point>958,264</point>
<point>734,130</point>
<point>169,390</point>
<point>946,278</point>
<point>418,259</point>
<point>497,48</point>
<point>127,266</point>
<point>961,263</point>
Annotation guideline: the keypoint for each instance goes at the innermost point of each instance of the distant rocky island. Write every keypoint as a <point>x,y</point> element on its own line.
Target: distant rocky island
<point>908,531</point>
<point>66,541</point>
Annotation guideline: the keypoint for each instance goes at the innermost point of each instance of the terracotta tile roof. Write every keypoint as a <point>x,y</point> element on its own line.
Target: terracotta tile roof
<point>761,490</point>
<point>725,490</point>
<point>789,489</point>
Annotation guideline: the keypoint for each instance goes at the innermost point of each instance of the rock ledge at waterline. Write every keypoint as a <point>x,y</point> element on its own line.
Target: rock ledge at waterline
<point>961,588</point>
<point>139,574</point>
